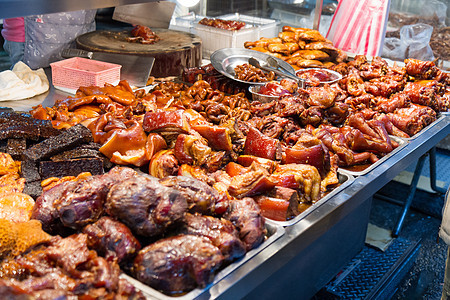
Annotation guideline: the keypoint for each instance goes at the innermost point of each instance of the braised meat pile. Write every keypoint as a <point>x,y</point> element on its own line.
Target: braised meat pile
<point>250,73</point>
<point>64,267</point>
<point>248,149</point>
<point>217,164</point>
<point>121,211</point>
<point>216,80</point>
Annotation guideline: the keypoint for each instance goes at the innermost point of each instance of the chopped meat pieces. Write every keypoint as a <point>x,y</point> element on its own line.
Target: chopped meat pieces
<point>178,264</point>
<point>64,267</point>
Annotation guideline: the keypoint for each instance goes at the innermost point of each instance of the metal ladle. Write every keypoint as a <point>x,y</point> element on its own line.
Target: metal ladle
<point>254,62</point>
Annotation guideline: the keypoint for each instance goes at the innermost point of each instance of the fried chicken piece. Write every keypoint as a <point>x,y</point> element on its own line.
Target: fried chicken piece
<point>311,54</point>
<point>313,36</point>
<point>288,36</point>
<point>309,63</point>
<point>279,48</point>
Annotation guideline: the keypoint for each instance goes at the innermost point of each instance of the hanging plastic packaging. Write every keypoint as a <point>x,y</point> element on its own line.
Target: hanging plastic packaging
<point>359,26</point>
<point>394,48</point>
<point>417,38</point>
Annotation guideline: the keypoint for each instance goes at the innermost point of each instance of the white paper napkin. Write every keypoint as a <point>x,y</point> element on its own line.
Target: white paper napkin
<point>22,83</point>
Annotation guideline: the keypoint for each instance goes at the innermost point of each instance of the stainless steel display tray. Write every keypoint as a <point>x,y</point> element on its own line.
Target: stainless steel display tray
<point>401,143</point>
<point>274,232</point>
<point>344,179</point>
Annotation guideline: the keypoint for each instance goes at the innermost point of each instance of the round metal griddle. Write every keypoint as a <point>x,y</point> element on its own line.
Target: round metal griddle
<point>174,51</point>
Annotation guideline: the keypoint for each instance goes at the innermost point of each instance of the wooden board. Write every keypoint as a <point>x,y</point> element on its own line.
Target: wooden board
<point>174,51</point>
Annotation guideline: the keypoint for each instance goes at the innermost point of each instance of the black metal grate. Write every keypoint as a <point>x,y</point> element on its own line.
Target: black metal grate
<point>370,272</point>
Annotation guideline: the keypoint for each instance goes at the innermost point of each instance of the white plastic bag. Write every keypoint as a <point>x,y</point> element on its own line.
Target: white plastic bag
<point>417,39</point>
<point>394,48</point>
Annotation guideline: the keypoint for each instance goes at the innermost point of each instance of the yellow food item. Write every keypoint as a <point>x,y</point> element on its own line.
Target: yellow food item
<point>16,207</point>
<point>15,238</point>
<point>48,183</point>
<point>8,165</point>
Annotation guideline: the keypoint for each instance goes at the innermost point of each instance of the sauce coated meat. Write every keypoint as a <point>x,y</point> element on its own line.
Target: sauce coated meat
<point>315,76</point>
<point>222,24</point>
<point>143,34</point>
<point>246,72</point>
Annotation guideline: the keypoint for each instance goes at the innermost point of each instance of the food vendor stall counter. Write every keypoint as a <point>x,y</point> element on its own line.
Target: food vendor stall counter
<point>313,250</point>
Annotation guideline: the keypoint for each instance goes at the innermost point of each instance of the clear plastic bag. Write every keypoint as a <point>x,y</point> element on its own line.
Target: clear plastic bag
<point>394,48</point>
<point>419,51</point>
<point>424,9</point>
<point>417,39</point>
<point>416,33</point>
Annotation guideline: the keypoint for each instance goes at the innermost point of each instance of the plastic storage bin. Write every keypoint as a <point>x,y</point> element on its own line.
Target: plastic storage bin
<point>69,74</point>
<point>215,38</point>
<point>185,23</point>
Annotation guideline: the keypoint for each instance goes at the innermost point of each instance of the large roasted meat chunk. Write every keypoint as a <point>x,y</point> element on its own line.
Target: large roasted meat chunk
<point>255,181</point>
<point>146,206</point>
<point>178,264</point>
<point>201,197</point>
<point>420,69</point>
<point>112,239</point>
<point>427,93</point>
<point>83,202</point>
<point>75,204</point>
<point>220,232</point>
<point>245,214</point>
<point>45,209</point>
<point>412,119</point>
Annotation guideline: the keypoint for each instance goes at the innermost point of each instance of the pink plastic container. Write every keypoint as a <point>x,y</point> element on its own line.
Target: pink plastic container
<point>70,74</point>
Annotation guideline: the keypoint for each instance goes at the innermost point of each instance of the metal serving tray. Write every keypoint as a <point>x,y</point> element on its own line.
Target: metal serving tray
<point>274,232</point>
<point>344,179</point>
<point>226,59</point>
<point>401,143</point>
